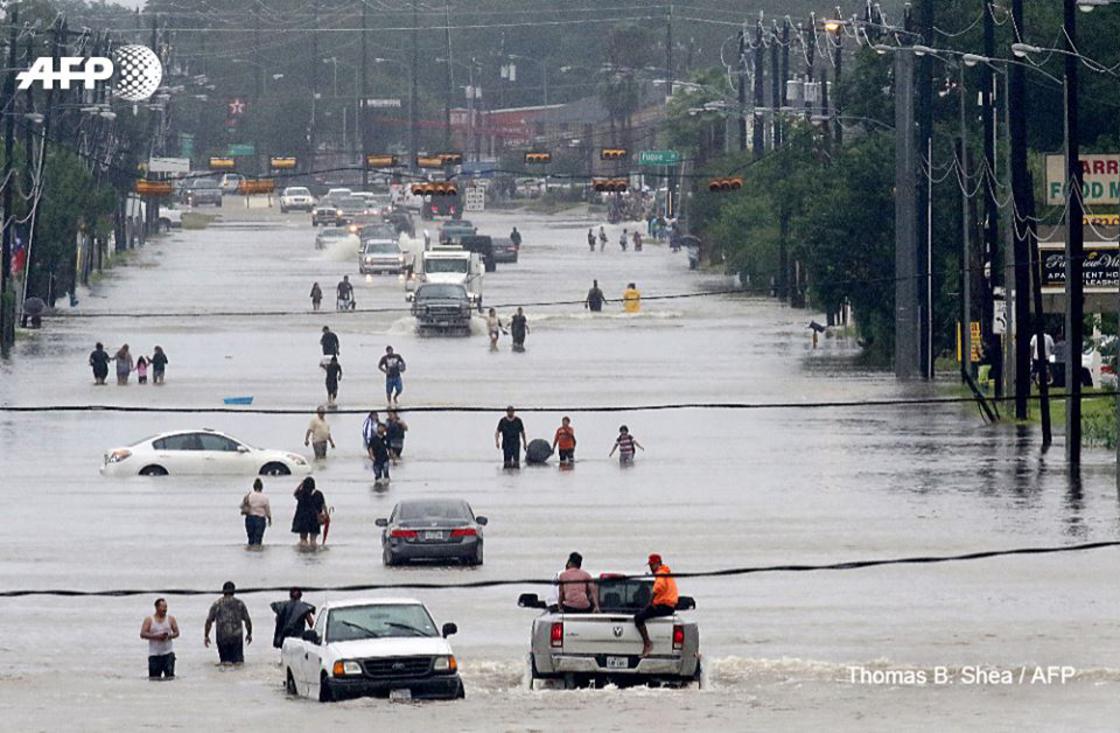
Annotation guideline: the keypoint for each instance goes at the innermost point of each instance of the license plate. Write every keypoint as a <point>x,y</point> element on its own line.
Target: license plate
<point>433,535</point>
<point>400,695</point>
<point>618,663</point>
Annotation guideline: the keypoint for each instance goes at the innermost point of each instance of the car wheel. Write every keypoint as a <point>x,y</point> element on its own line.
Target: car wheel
<point>219,204</point>
<point>388,558</point>
<point>476,558</point>
<point>275,469</point>
<point>290,684</point>
<point>153,471</point>
<point>325,694</point>
<point>461,693</point>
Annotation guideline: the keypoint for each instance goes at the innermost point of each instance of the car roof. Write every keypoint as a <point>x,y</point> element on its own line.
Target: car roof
<point>187,431</point>
<point>389,601</point>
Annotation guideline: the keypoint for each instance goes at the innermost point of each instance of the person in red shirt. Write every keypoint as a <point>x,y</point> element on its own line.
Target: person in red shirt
<point>565,440</point>
<point>663,602</point>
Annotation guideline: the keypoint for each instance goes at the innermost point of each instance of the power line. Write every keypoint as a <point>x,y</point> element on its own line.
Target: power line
<point>663,407</point>
<point>476,584</point>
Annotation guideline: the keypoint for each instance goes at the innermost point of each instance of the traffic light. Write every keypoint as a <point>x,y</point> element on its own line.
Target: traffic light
<point>610,185</point>
<point>613,154</point>
<point>152,188</point>
<point>259,185</point>
<point>720,185</point>
<point>222,164</point>
<point>282,164</point>
<point>438,188</point>
<point>538,158</point>
<point>438,160</point>
<point>429,161</point>
<point>379,160</point>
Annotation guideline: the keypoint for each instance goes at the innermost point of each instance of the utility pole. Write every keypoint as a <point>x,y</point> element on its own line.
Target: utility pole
<point>1025,242</point>
<point>412,95</point>
<point>925,137</point>
<point>907,312</point>
<point>742,115</point>
<point>7,292</point>
<point>1075,245</point>
<point>360,110</point>
<point>775,87</point>
<point>810,64</point>
<point>447,95</point>
<point>991,208</point>
<point>837,98</point>
<point>669,52</point>
<point>966,236</point>
<point>784,72</point>
<point>316,62</point>
<point>1022,229</point>
<point>759,87</point>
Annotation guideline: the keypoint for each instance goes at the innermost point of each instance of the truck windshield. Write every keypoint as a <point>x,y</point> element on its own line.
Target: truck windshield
<point>379,621</point>
<point>381,248</point>
<point>441,292</point>
<point>624,595</point>
<point>448,265</point>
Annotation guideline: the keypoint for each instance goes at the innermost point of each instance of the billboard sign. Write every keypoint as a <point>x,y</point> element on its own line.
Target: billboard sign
<point>1101,184</point>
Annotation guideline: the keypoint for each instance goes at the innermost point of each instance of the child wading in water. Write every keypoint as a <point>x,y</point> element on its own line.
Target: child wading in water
<point>142,370</point>
<point>625,445</point>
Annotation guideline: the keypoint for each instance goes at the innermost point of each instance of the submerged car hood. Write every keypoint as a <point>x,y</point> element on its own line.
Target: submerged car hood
<point>397,646</point>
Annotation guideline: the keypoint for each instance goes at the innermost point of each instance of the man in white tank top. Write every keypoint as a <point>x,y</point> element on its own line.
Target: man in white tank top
<point>159,629</point>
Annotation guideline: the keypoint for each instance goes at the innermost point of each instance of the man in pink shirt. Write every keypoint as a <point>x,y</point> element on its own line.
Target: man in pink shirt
<point>577,590</point>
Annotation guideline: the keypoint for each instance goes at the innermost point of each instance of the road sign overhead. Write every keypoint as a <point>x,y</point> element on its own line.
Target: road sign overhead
<point>220,163</point>
<point>382,103</point>
<point>659,157</point>
<point>241,149</point>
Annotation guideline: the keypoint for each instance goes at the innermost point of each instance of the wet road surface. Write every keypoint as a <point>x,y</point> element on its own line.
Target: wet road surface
<point>714,489</point>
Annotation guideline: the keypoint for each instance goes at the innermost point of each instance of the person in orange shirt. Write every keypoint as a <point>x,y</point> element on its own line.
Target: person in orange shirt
<point>565,440</point>
<point>663,602</point>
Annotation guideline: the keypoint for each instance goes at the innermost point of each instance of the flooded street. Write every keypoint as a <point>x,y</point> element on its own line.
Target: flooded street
<point>714,489</point>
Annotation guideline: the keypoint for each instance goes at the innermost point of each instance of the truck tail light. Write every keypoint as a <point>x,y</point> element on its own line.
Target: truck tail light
<point>678,637</point>
<point>464,532</point>
<point>404,534</point>
<point>556,635</point>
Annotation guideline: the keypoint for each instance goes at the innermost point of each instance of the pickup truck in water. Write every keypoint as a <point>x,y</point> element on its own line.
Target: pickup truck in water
<point>442,308</point>
<point>596,649</point>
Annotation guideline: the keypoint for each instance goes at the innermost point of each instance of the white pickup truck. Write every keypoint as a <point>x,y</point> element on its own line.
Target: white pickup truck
<point>443,264</point>
<point>372,647</point>
<point>595,649</point>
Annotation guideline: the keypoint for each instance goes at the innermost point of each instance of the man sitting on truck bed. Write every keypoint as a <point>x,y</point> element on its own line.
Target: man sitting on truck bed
<point>577,590</point>
<point>663,602</point>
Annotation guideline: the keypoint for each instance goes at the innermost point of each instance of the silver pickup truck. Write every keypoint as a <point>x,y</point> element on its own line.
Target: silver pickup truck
<point>596,649</point>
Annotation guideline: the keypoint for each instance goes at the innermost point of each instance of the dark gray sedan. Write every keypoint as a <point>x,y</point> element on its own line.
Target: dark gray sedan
<point>431,529</point>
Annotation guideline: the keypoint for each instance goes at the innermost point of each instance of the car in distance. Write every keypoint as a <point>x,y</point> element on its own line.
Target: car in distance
<point>199,191</point>
<point>381,251</point>
<point>325,213</point>
<point>231,183</point>
<point>580,649</point>
<point>504,250</point>
<point>453,231</point>
<point>296,198</point>
<point>337,193</point>
<point>196,452</point>
<point>442,308</point>
<point>372,647</point>
<point>431,529</point>
<point>329,236</point>
<point>350,209</point>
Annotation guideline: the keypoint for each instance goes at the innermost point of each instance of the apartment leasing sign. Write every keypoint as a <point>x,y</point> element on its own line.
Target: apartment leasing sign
<point>1102,179</point>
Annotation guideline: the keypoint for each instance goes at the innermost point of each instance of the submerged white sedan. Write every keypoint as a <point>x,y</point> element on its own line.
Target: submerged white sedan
<point>374,647</point>
<point>202,451</point>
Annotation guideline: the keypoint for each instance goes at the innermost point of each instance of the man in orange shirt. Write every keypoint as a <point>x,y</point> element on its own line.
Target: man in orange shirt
<point>565,439</point>
<point>663,602</point>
